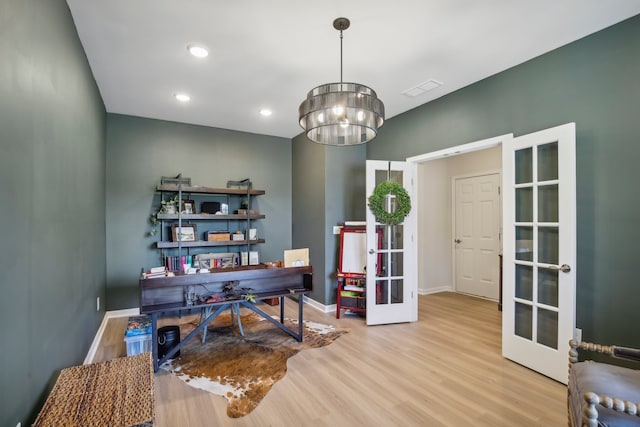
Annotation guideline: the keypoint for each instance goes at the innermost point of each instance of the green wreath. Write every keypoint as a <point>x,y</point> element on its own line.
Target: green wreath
<point>403,203</point>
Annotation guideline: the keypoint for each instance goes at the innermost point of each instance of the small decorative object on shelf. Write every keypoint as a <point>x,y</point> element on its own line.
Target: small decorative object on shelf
<point>168,206</point>
<point>253,234</point>
<point>188,207</point>
<point>186,233</point>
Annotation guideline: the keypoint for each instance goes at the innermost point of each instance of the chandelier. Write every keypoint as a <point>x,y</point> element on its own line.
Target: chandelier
<point>341,113</point>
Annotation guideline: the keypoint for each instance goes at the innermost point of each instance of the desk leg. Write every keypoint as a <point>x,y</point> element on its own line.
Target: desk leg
<point>281,309</point>
<point>154,340</point>
<point>300,322</point>
<point>281,325</point>
<point>235,308</point>
<point>204,313</point>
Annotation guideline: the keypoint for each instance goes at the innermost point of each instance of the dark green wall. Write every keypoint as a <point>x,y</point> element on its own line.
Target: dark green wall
<point>140,151</point>
<point>344,178</point>
<point>324,184</point>
<point>308,207</point>
<point>594,83</point>
<point>52,146</point>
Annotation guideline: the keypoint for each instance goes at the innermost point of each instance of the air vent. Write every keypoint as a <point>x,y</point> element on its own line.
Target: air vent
<point>422,88</point>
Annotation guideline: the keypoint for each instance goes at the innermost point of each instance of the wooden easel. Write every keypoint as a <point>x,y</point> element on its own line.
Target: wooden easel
<point>352,263</point>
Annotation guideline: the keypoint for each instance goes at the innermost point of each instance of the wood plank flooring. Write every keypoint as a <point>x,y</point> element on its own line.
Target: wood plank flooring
<point>444,370</point>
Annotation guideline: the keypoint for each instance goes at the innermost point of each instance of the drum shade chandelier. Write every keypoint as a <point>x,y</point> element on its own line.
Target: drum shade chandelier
<point>341,113</point>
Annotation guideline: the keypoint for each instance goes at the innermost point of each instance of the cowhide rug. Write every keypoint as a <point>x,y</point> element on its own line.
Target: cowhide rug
<point>243,369</point>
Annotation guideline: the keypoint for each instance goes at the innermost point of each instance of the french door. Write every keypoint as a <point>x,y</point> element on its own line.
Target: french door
<point>391,252</point>
<point>539,249</point>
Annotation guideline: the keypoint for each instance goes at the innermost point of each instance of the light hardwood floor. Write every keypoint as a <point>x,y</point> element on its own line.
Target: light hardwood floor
<point>444,370</point>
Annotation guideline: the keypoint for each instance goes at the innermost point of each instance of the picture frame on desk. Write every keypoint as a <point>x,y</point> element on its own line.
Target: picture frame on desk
<point>188,207</point>
<point>216,260</point>
<point>186,233</point>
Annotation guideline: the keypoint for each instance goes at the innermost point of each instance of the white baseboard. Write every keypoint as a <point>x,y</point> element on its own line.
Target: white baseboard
<point>435,290</point>
<point>315,304</point>
<point>107,315</point>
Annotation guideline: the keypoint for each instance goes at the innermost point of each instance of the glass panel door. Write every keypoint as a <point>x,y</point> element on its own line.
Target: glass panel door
<point>539,249</point>
<point>391,271</point>
<point>536,243</point>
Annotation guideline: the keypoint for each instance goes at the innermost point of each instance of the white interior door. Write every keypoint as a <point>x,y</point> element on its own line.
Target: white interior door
<point>391,252</point>
<point>477,235</point>
<point>539,209</point>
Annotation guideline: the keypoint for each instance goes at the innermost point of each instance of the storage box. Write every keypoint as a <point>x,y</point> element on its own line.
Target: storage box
<point>238,236</point>
<point>217,236</point>
<point>138,344</point>
<point>353,302</point>
<point>248,211</point>
<point>138,325</point>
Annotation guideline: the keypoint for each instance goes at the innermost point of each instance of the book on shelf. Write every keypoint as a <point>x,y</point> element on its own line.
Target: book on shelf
<point>157,275</point>
<point>350,294</point>
<point>155,272</point>
<point>177,263</point>
<point>249,258</point>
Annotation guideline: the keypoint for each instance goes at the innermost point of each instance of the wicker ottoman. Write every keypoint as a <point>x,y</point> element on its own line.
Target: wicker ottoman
<point>117,393</point>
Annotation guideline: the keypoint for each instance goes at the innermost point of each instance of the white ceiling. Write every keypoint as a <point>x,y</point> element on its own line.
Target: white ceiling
<point>270,53</point>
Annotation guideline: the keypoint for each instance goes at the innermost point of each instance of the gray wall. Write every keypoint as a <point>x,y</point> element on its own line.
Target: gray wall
<point>308,207</point>
<point>594,83</point>
<point>328,189</point>
<point>52,145</point>
<point>345,201</point>
<point>140,151</point>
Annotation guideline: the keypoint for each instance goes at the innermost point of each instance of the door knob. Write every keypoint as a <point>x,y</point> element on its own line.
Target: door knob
<point>565,268</point>
<point>458,241</point>
<point>371,251</point>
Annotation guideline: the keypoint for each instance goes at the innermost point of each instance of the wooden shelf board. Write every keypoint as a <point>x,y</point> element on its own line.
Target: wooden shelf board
<point>209,190</point>
<point>210,217</point>
<point>204,243</point>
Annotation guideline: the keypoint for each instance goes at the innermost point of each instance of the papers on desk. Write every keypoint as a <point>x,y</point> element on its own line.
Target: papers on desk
<point>296,257</point>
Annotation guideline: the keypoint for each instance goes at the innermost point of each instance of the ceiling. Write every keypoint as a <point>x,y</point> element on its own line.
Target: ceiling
<point>269,54</point>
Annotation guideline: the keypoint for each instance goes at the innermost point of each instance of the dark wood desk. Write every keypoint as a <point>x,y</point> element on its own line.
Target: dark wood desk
<point>166,294</point>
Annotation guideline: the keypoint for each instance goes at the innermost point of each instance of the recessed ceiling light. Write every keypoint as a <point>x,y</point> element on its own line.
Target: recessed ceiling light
<point>265,112</point>
<point>197,51</point>
<point>182,97</point>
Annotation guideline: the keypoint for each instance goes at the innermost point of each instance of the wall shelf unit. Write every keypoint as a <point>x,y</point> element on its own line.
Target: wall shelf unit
<point>236,218</point>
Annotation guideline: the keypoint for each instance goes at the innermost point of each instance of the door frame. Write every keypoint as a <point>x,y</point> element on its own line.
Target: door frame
<point>470,147</point>
<point>453,218</point>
